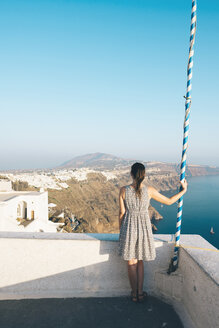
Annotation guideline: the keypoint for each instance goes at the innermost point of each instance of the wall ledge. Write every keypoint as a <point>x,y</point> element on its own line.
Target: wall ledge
<point>207,260</point>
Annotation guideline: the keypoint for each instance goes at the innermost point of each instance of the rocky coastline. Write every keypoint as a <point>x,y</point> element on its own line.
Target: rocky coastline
<point>94,202</point>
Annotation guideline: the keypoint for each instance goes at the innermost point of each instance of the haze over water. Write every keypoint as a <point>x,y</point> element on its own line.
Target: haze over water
<point>200,210</point>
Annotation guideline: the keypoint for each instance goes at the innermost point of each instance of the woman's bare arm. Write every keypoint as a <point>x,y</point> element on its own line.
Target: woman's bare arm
<point>121,205</point>
<point>153,193</point>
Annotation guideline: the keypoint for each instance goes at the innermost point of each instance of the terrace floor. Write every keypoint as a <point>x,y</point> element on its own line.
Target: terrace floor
<point>116,312</point>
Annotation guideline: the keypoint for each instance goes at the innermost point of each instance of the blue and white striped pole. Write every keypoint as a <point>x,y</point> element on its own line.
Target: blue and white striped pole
<point>174,261</point>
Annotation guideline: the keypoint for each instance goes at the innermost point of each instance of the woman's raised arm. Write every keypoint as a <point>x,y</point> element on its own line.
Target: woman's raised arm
<point>153,193</point>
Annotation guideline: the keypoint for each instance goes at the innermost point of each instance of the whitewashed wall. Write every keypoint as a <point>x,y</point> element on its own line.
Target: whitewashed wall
<point>36,201</point>
<point>37,265</point>
<point>5,185</point>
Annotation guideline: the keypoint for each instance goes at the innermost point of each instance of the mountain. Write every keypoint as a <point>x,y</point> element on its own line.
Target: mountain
<point>102,161</point>
<point>96,160</point>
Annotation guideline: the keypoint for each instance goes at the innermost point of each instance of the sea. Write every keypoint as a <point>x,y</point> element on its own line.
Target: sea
<point>200,210</point>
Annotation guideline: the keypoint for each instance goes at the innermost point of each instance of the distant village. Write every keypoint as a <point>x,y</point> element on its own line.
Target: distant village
<point>55,179</point>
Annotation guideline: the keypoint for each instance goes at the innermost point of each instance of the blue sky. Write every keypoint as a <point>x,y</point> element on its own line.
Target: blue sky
<point>106,76</point>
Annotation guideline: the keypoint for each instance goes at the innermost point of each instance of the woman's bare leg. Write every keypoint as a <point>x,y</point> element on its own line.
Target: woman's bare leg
<point>140,275</point>
<point>132,274</point>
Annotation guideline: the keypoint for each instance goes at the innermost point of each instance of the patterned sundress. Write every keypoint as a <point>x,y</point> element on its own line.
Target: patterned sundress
<point>136,238</point>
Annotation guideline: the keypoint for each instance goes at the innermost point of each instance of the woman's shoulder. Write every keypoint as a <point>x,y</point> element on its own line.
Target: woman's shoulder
<point>125,187</point>
<point>122,189</point>
<point>145,188</point>
<point>150,189</point>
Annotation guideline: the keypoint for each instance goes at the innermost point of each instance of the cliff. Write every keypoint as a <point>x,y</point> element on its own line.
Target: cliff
<point>94,202</point>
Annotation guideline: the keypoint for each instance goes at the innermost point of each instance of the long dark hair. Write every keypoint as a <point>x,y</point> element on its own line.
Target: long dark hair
<point>138,173</point>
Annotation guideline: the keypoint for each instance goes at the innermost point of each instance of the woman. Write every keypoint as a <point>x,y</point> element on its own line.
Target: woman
<point>136,242</point>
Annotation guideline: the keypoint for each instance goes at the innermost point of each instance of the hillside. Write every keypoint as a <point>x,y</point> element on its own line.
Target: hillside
<point>94,201</point>
<point>200,170</point>
<point>95,160</point>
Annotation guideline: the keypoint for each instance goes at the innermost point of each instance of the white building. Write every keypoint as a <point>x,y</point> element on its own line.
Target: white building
<point>24,211</point>
<point>5,185</point>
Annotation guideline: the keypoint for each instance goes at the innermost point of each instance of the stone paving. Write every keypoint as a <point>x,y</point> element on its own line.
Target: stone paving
<point>116,312</point>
